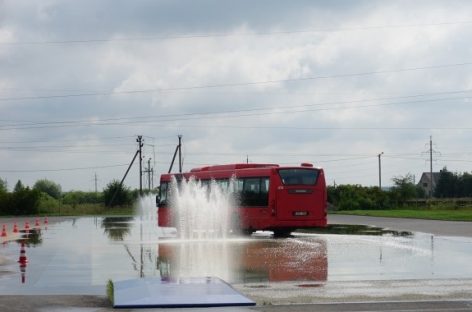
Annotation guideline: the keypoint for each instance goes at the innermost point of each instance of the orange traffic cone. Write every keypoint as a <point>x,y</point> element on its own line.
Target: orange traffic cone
<point>36,223</point>
<point>4,231</point>
<point>46,220</point>
<point>27,227</point>
<point>15,228</point>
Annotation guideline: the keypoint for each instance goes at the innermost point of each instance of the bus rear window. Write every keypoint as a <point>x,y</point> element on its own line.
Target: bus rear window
<point>298,176</point>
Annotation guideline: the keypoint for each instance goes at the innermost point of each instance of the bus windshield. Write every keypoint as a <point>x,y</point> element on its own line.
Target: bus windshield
<point>163,191</point>
<point>298,176</point>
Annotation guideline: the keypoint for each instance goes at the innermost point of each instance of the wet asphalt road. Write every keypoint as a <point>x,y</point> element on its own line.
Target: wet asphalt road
<point>96,303</point>
<point>446,228</point>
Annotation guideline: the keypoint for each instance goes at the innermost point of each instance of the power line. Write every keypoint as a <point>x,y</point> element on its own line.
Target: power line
<point>232,85</point>
<point>68,146</point>
<point>62,169</point>
<point>42,140</point>
<point>229,114</point>
<point>233,34</point>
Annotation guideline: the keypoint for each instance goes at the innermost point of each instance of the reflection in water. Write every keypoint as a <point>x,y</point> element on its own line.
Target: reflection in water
<point>194,259</point>
<point>23,261</point>
<point>116,228</point>
<point>31,237</point>
<point>290,260</point>
<point>246,260</point>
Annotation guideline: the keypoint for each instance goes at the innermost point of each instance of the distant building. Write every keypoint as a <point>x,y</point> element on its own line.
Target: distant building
<point>425,182</point>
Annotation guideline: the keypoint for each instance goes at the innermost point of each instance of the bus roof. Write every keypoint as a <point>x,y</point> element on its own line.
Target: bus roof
<point>232,167</point>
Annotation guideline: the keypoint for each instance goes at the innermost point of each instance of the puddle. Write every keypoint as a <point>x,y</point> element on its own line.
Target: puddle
<point>350,229</point>
<point>79,256</point>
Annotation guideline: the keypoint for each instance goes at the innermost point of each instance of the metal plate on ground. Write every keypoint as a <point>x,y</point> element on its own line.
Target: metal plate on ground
<point>188,292</point>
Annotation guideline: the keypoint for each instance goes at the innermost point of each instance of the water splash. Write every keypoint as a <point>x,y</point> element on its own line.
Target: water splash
<point>203,210</point>
<point>146,217</point>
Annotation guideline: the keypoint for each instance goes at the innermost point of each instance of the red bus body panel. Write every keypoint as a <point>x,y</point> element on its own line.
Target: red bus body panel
<point>289,206</point>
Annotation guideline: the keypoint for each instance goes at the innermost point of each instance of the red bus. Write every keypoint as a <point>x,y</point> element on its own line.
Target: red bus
<point>271,197</point>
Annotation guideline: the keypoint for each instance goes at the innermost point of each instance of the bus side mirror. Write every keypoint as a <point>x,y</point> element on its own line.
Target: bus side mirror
<point>158,200</point>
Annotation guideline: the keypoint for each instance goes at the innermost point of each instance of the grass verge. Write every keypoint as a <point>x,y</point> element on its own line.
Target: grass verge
<point>110,292</point>
<point>430,214</point>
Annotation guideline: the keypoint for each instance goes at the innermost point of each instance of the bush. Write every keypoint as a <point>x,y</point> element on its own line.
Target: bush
<point>78,197</point>
<point>404,189</point>
<point>48,204</point>
<point>120,194</point>
<point>49,187</point>
<point>355,197</point>
<point>21,202</point>
<point>3,186</point>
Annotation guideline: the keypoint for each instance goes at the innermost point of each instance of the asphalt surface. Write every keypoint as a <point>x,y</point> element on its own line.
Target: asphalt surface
<point>92,303</point>
<point>445,228</point>
<point>96,303</point>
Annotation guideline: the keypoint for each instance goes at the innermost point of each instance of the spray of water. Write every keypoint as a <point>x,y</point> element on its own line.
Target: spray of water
<point>147,217</point>
<point>203,210</point>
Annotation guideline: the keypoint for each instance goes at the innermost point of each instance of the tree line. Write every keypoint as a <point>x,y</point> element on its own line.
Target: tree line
<point>46,194</point>
<point>453,184</point>
<point>355,197</point>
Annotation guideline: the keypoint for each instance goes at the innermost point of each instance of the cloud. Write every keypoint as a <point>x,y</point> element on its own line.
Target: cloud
<point>338,121</point>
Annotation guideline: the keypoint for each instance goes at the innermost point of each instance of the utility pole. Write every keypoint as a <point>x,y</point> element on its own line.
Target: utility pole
<point>149,174</point>
<point>140,152</point>
<point>431,151</point>
<point>180,153</point>
<point>152,177</point>
<point>95,182</point>
<point>124,177</point>
<point>431,165</point>
<point>177,149</point>
<point>380,170</point>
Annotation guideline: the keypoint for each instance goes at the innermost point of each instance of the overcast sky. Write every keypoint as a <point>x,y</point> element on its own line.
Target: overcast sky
<point>333,83</point>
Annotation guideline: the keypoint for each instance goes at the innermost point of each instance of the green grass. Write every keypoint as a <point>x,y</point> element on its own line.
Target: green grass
<point>461,214</point>
<point>110,292</point>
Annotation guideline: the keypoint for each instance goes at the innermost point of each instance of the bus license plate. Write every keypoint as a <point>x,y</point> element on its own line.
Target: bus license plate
<point>300,213</point>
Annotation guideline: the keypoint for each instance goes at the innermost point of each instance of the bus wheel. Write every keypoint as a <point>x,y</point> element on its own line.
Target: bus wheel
<point>282,232</point>
<point>247,232</point>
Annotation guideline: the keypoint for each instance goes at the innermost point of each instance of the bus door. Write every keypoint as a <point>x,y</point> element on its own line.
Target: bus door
<point>298,197</point>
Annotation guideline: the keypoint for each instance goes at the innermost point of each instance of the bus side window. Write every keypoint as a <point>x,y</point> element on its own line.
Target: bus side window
<point>223,184</point>
<point>255,192</point>
<point>239,185</point>
<point>264,194</point>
